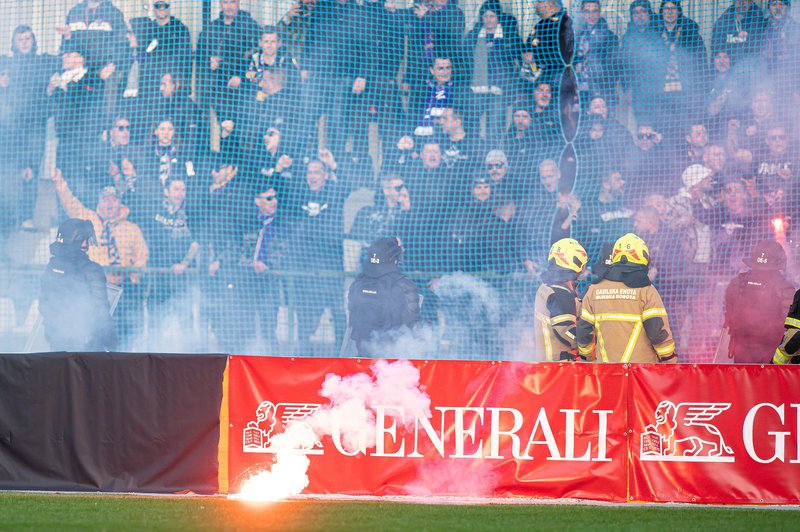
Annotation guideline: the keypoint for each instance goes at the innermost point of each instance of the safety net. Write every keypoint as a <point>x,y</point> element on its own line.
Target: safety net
<point>236,158</point>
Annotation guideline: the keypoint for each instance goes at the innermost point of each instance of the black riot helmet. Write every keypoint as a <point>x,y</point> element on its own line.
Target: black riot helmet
<point>76,233</point>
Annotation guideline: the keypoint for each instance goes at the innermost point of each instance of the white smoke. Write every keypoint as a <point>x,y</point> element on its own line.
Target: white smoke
<point>469,308</point>
<point>464,478</point>
<point>349,416</point>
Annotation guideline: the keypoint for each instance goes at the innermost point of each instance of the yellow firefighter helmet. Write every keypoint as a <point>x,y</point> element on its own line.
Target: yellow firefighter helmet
<point>632,248</point>
<point>568,253</point>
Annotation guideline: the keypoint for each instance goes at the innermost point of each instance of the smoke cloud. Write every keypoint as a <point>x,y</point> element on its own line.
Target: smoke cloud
<point>349,417</point>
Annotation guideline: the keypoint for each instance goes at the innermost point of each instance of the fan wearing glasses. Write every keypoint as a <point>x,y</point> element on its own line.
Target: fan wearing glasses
<point>384,217</point>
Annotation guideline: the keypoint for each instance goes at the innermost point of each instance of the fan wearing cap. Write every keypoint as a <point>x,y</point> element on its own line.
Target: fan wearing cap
<point>73,299</point>
<point>556,306</point>
<point>381,300</point>
<point>756,303</point>
<point>622,317</point>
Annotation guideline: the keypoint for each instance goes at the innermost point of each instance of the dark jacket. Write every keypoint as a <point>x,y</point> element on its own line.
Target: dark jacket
<point>552,43</point>
<point>234,43</point>
<point>756,302</point>
<point>74,302</point>
<point>90,32</point>
<point>161,49</point>
<point>438,34</point>
<point>740,39</point>
<point>381,300</point>
<point>503,52</point>
<point>596,59</point>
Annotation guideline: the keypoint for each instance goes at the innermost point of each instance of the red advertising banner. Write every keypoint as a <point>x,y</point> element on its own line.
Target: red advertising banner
<point>365,427</point>
<point>715,434</point>
<point>682,433</point>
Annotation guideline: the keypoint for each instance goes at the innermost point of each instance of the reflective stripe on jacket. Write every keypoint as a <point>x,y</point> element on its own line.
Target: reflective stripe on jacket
<point>556,310</point>
<point>614,316</point>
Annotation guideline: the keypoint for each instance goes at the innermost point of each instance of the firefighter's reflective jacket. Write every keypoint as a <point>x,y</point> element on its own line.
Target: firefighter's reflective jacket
<point>556,310</point>
<point>623,321</point>
<point>788,351</point>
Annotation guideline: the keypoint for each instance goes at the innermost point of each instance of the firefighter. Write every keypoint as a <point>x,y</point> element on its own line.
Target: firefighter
<point>789,350</point>
<point>622,305</point>
<point>556,306</point>
<point>755,304</point>
<point>382,299</point>
<point>74,299</point>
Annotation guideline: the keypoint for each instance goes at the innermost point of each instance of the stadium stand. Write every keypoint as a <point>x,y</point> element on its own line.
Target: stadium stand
<point>236,157</point>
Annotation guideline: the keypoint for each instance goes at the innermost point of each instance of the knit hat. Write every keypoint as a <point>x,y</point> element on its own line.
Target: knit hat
<point>695,174</point>
<point>496,157</point>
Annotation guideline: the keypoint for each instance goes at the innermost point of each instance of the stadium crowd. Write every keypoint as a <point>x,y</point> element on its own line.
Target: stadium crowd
<point>233,159</point>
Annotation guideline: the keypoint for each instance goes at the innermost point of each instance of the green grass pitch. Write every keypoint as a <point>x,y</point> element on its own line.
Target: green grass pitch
<point>24,512</point>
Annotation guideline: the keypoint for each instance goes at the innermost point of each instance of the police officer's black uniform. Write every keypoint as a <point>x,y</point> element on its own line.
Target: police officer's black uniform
<point>381,299</point>
<point>74,300</point>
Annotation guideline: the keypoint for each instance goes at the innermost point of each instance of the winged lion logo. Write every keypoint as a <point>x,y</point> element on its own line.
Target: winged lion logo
<point>272,419</point>
<point>684,433</point>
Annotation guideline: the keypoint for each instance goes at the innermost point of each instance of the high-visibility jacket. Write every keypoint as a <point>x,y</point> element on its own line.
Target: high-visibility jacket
<point>556,314</point>
<point>612,319</point>
<point>788,352</point>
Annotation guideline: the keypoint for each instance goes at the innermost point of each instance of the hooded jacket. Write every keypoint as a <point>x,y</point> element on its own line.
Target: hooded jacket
<point>74,302</point>
<point>614,312</point>
<point>381,299</point>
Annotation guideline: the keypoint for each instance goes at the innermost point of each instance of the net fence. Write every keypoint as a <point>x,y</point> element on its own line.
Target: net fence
<point>236,158</point>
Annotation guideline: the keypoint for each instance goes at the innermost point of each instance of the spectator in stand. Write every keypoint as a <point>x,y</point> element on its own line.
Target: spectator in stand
<point>436,30</point>
<point>745,221</point>
<point>694,146</point>
<point>606,215</point>
<point>427,176</point>
<point>170,158</point>
<point>596,56</point>
<point>222,57</point>
<point>98,28</point>
<point>695,211</point>
<point>173,100</point>
<point>316,250</point>
<point>498,170</point>
<point>124,166</point>
<point>534,236</point>
<point>384,218</point>
<point>739,31</point>
<point>269,58</point>
<point>76,99</point>
<point>173,248</point>
<point>551,41</point>
<point>680,69</point>
<point>390,29</point>
<point>781,37</point>
<point>333,60</point>
<point>274,100</point>
<point>495,46</point>
<point>724,92</point>
<point>273,163</point>
<point>462,149</point>
<point>120,244</point>
<point>520,142</point>
<point>471,228</point>
<point>429,98</point>
<point>641,45</point>
<point>546,120</point>
<point>160,44</point>
<point>241,282</point>
<point>776,169</point>
<point>23,121</point>
<point>647,163</point>
<point>715,159</point>
<point>753,130</point>
<point>295,25</point>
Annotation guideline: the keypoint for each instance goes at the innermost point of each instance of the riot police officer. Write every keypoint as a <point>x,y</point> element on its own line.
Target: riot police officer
<point>74,300</point>
<point>381,300</point>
